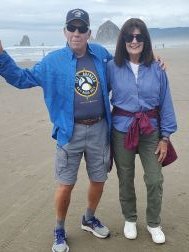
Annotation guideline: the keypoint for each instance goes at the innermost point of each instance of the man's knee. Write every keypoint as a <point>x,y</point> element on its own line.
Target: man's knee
<point>97,186</point>
<point>64,191</point>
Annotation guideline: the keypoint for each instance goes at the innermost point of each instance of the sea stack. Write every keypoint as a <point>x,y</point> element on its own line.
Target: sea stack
<point>25,41</point>
<point>107,33</point>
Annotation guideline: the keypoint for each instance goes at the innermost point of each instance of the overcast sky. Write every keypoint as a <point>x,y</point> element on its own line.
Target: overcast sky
<point>42,20</point>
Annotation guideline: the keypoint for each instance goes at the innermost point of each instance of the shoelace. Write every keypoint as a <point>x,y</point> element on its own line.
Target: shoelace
<point>59,236</point>
<point>157,231</point>
<point>96,222</point>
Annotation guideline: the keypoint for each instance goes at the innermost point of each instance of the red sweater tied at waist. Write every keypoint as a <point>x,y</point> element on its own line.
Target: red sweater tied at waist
<point>140,125</point>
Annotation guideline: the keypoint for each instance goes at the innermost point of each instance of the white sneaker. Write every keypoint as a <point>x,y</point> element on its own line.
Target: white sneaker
<point>130,230</point>
<point>157,234</point>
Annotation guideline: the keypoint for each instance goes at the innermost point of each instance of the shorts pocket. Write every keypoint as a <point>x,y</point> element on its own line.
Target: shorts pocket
<point>61,160</point>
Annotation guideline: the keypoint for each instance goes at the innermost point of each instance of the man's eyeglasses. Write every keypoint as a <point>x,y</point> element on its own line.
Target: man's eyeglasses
<point>81,29</point>
<point>128,38</point>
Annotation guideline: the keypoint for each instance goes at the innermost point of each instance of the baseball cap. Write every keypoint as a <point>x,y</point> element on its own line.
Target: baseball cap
<point>78,14</point>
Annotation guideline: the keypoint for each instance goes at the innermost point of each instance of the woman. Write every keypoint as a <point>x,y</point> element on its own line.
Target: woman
<point>143,120</point>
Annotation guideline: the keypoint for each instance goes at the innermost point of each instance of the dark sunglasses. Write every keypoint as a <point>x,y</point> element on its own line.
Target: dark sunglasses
<point>128,38</point>
<point>73,28</point>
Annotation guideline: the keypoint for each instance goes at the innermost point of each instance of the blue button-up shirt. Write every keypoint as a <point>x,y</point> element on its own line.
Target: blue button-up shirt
<point>150,90</point>
<point>56,75</point>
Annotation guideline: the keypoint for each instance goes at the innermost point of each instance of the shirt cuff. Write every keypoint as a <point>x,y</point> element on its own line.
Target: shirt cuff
<point>165,134</point>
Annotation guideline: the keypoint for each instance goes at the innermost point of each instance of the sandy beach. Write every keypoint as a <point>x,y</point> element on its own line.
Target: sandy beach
<point>27,185</point>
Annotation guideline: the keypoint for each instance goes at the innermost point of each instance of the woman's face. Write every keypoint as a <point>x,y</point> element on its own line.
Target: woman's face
<point>134,43</point>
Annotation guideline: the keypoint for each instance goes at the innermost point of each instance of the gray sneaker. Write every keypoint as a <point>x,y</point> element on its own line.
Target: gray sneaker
<point>60,244</point>
<point>96,227</point>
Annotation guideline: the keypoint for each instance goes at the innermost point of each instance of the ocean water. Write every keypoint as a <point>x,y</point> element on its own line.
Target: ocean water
<point>33,53</point>
<point>36,53</point>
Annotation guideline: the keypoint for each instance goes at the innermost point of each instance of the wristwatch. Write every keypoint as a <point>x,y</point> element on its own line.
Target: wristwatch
<point>165,139</point>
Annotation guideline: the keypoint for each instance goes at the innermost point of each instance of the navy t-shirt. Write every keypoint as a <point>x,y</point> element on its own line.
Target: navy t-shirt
<point>88,101</point>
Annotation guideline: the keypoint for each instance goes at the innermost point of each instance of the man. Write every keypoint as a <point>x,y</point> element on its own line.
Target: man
<point>73,80</point>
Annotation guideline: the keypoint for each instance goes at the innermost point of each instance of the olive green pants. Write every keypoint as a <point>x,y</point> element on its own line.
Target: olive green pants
<point>153,178</point>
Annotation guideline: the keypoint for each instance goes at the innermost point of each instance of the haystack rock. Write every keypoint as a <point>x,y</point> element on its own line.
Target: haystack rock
<point>107,33</point>
<point>25,41</point>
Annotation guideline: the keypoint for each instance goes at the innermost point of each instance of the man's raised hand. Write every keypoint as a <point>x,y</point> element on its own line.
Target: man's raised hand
<point>1,48</point>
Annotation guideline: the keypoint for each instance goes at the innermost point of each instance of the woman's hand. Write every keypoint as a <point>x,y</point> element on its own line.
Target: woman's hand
<point>161,150</point>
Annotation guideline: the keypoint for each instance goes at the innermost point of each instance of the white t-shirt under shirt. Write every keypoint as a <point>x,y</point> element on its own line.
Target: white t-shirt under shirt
<point>134,68</point>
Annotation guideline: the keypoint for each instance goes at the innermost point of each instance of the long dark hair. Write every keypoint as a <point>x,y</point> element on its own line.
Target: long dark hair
<point>128,27</point>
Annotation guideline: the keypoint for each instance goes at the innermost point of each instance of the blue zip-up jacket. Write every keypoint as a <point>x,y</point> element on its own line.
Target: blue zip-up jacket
<point>151,90</point>
<point>56,75</point>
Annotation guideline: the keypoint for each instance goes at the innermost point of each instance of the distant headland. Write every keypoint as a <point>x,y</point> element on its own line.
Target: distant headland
<point>107,33</point>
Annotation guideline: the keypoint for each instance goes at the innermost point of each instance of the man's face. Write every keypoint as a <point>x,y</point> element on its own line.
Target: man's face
<point>77,34</point>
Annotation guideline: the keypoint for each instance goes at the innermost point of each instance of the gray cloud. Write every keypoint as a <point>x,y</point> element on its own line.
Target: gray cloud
<point>47,16</point>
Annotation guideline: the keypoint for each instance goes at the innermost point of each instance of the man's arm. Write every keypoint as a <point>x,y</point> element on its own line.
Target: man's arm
<point>161,62</point>
<point>16,76</point>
